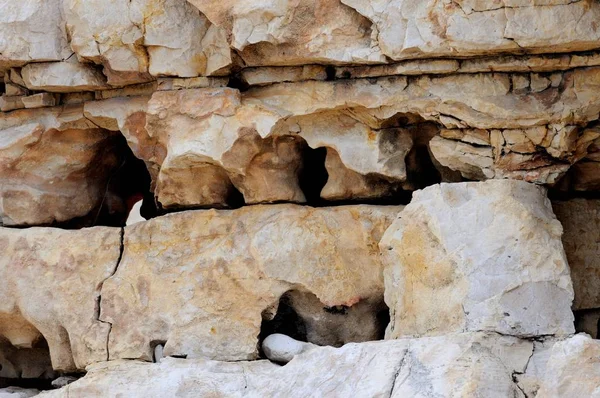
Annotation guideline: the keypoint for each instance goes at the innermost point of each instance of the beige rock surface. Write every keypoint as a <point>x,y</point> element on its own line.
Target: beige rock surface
<point>200,280</point>
<point>136,39</point>
<point>472,364</point>
<point>477,256</point>
<point>63,77</point>
<point>573,369</point>
<point>54,165</point>
<point>51,282</point>
<point>432,28</point>
<point>31,31</point>
<point>580,219</point>
<point>294,33</point>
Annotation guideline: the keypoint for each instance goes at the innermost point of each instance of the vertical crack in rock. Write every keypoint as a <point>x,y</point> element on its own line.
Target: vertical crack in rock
<point>99,298</point>
<point>515,374</point>
<point>398,370</point>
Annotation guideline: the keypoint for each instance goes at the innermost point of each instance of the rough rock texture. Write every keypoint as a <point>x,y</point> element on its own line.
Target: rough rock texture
<point>17,392</point>
<point>477,256</point>
<point>134,39</point>
<point>448,366</point>
<point>117,112</point>
<point>201,282</point>
<point>51,287</point>
<point>573,369</point>
<point>282,349</point>
<point>580,219</point>
<point>55,166</point>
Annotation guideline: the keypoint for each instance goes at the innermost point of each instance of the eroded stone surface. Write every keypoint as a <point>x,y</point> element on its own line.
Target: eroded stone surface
<point>54,166</point>
<point>200,280</point>
<point>134,40</point>
<point>52,281</point>
<point>477,256</point>
<point>447,366</point>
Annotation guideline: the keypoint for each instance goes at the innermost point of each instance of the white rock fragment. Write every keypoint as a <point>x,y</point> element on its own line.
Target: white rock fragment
<point>281,348</point>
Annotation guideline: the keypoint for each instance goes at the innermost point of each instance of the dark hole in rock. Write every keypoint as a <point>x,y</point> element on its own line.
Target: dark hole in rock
<point>302,316</point>
<point>237,82</point>
<point>314,175</point>
<point>330,73</point>
<point>28,367</point>
<point>588,321</point>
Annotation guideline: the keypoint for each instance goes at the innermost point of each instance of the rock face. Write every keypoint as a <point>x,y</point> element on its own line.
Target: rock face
<point>441,366</point>
<point>336,171</point>
<point>202,282</point>
<point>55,166</point>
<point>52,281</point>
<point>581,222</point>
<point>461,257</point>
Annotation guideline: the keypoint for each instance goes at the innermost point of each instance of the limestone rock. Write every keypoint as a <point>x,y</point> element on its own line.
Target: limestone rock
<point>477,256</point>
<point>52,281</point>
<point>31,31</point>
<point>54,166</point>
<point>428,29</point>
<point>134,39</point>
<point>281,348</point>
<point>294,33</point>
<point>62,77</point>
<point>573,369</point>
<point>201,282</point>
<point>540,154</point>
<point>18,392</point>
<point>580,219</point>
<point>448,366</point>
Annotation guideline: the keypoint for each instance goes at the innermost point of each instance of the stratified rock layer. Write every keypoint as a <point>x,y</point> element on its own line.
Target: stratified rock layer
<point>201,282</point>
<point>51,290</point>
<point>477,256</point>
<point>449,366</point>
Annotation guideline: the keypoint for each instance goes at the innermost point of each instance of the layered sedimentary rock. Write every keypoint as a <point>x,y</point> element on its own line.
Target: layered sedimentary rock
<point>51,289</point>
<point>477,256</point>
<point>201,283</point>
<point>243,104</point>
<point>441,366</point>
<point>55,166</point>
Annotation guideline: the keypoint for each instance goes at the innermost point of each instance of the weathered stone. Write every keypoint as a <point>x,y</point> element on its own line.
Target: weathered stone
<point>54,166</point>
<point>41,100</point>
<point>294,33</point>
<point>52,281</point>
<point>580,219</point>
<point>573,369</point>
<point>135,39</point>
<point>31,31</point>
<point>269,75</point>
<point>18,392</point>
<point>427,29</point>
<point>8,103</point>
<point>63,77</point>
<point>199,281</point>
<point>448,366</point>
<point>477,256</point>
<point>281,348</point>
<point>27,357</point>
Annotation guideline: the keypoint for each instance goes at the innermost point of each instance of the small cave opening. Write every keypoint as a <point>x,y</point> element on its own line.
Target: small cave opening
<point>302,316</point>
<point>313,176</point>
<point>30,367</point>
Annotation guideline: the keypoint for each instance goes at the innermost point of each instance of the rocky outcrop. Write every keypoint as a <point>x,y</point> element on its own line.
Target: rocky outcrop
<point>51,291</point>
<point>440,366</point>
<point>57,166</point>
<point>201,283</point>
<point>265,128</point>
<point>455,260</point>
